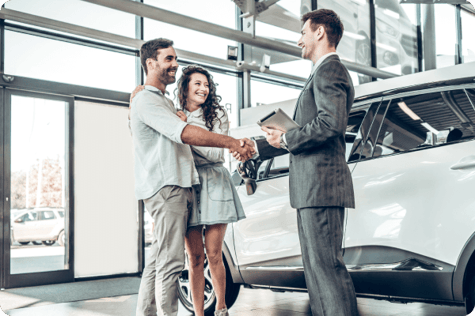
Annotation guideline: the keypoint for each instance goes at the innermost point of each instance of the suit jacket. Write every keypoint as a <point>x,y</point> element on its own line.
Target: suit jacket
<point>319,175</point>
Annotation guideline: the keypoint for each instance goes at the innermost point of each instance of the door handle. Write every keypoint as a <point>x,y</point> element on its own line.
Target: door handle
<point>464,163</point>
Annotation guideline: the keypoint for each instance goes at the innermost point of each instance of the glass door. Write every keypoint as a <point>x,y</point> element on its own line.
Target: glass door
<point>37,189</point>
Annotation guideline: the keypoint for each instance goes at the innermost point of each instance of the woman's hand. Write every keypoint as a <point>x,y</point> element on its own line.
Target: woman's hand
<point>137,90</point>
<point>182,115</point>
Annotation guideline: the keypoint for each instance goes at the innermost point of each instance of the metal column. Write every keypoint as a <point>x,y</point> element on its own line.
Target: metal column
<point>428,34</point>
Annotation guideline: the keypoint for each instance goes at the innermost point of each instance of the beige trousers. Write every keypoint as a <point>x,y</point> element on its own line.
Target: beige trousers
<point>169,209</point>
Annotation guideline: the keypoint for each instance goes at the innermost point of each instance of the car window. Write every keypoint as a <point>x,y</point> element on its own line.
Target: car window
<point>364,129</point>
<point>370,143</point>
<point>30,216</point>
<point>426,120</point>
<point>46,215</point>
<point>61,213</point>
<point>274,167</point>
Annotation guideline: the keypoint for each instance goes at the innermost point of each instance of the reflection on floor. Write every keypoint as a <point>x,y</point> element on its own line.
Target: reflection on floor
<point>249,303</point>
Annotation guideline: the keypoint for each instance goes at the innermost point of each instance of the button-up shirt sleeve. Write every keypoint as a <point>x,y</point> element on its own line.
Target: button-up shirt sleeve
<point>156,113</point>
<point>221,126</point>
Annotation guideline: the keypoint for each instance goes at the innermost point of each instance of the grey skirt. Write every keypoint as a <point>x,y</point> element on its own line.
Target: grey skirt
<point>216,200</point>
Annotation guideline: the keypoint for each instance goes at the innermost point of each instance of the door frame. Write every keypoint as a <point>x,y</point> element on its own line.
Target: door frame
<point>38,278</point>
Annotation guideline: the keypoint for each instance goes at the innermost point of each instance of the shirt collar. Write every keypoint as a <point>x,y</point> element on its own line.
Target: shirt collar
<point>155,89</point>
<point>321,59</point>
<point>195,113</point>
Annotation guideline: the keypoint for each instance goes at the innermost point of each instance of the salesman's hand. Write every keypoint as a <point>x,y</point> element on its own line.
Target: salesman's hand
<point>272,136</point>
<point>243,142</point>
<point>244,148</point>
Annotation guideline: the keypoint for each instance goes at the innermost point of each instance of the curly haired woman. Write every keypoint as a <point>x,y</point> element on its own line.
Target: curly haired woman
<point>217,202</point>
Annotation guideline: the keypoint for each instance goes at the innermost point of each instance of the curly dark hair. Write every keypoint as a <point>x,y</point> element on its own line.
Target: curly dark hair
<point>211,106</point>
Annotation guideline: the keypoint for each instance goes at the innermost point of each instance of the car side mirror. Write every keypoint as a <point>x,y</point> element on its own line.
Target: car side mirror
<point>19,220</point>
<point>251,186</point>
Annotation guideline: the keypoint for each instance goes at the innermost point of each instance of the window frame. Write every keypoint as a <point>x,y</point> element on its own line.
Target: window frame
<point>395,96</point>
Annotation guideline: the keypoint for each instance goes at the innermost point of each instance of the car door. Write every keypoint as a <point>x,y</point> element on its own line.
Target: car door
<point>413,187</point>
<point>268,236</point>
<point>26,229</point>
<point>46,224</point>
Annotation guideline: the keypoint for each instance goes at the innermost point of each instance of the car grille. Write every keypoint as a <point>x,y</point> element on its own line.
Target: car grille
<point>410,45</point>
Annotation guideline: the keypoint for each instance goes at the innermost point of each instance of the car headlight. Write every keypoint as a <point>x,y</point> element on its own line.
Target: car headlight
<point>385,28</point>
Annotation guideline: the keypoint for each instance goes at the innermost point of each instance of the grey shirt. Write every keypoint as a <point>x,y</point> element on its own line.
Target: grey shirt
<point>160,156</point>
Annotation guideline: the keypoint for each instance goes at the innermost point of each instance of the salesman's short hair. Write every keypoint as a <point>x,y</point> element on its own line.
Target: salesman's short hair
<point>329,20</point>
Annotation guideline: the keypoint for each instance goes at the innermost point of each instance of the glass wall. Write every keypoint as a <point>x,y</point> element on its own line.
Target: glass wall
<point>266,93</point>
<point>80,13</point>
<point>468,39</point>
<point>190,40</point>
<point>41,58</point>
<point>445,33</point>
<point>37,185</point>
<point>355,44</point>
<point>396,37</point>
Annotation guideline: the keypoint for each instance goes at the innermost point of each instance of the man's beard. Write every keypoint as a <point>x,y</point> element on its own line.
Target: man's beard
<point>164,77</point>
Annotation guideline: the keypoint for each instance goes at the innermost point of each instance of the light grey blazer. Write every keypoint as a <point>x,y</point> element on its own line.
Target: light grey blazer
<point>319,175</point>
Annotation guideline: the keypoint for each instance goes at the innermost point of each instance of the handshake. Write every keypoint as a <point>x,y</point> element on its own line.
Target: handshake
<point>243,149</point>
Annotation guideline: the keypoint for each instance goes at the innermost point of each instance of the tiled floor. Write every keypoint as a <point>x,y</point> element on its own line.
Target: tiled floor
<point>249,303</point>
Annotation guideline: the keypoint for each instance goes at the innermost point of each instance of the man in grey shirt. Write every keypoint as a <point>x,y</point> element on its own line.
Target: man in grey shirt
<point>164,175</point>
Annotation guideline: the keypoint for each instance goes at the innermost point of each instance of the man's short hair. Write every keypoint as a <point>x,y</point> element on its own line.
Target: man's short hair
<point>149,50</point>
<point>329,20</point>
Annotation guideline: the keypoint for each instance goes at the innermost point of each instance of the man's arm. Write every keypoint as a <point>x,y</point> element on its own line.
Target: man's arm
<point>193,135</point>
<point>330,86</point>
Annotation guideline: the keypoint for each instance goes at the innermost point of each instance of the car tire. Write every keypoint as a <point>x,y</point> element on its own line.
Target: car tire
<point>48,242</point>
<point>61,238</point>
<point>470,297</point>
<point>184,290</point>
<point>24,243</point>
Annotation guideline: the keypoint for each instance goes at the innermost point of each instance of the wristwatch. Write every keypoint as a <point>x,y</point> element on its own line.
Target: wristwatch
<point>283,145</point>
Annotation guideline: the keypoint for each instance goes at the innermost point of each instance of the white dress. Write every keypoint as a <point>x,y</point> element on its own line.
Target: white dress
<point>216,200</point>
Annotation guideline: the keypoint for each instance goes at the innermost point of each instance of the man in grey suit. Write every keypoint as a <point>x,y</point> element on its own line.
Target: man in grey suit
<point>320,180</point>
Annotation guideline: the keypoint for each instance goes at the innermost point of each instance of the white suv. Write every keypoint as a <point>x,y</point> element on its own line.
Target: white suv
<point>411,150</point>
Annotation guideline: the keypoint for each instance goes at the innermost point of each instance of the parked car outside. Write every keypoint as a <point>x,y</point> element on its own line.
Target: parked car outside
<point>411,151</point>
<point>39,225</point>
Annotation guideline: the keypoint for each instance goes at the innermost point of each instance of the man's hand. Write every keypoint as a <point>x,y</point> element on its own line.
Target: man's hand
<point>243,142</point>
<point>182,115</point>
<point>243,148</point>
<point>272,136</point>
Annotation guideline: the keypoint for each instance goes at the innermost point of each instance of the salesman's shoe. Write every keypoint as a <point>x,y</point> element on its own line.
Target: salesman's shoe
<point>222,312</point>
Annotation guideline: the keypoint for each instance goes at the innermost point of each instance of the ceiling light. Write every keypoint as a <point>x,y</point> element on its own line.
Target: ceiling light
<point>408,111</point>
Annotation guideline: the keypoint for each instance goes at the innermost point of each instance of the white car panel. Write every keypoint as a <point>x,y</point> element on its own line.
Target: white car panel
<point>270,230</point>
<point>400,202</point>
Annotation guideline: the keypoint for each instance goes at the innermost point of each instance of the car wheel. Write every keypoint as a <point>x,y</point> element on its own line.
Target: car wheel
<point>48,242</point>
<point>184,289</point>
<point>24,243</point>
<point>61,238</point>
<point>470,298</point>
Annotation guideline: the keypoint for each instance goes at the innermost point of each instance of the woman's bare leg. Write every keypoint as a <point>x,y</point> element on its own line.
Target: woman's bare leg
<point>214,236</point>
<point>196,256</point>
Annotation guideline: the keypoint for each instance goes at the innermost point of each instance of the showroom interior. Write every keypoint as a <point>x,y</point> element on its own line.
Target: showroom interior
<point>68,69</point>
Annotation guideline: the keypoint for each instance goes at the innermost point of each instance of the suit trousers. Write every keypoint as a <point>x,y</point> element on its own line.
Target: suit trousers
<point>329,284</point>
<point>158,292</point>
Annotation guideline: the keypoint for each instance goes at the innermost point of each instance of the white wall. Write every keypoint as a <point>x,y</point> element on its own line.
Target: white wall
<point>105,209</point>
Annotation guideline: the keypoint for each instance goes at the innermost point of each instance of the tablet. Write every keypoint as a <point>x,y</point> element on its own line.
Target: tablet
<point>278,119</point>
